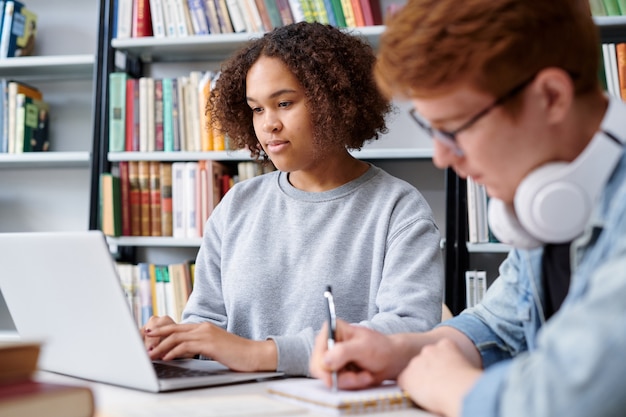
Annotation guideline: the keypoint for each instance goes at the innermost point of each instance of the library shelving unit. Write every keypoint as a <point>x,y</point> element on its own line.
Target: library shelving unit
<point>48,191</point>
<point>460,253</point>
<point>171,57</point>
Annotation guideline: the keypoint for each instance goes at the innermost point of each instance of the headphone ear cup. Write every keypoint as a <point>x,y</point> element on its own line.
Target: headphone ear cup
<point>551,205</point>
<point>507,228</point>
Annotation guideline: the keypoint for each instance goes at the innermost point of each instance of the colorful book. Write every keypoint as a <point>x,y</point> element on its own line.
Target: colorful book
<point>110,205</point>
<point>166,198</point>
<point>117,111</point>
<point>155,198</point>
<point>211,13</point>
<point>142,20</point>
<point>135,198</point>
<point>131,115</point>
<point>197,11</point>
<point>144,194</point>
<point>125,197</point>
<point>158,115</point>
<point>168,116</point>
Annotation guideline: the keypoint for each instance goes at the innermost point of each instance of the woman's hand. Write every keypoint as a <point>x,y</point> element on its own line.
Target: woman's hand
<point>190,339</point>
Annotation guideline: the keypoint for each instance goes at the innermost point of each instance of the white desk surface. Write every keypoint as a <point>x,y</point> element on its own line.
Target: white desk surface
<point>111,401</point>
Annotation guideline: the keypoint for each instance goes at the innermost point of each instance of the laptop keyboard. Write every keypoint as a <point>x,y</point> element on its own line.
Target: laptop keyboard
<point>165,371</point>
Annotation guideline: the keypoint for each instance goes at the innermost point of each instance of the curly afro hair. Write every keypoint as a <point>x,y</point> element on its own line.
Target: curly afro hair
<point>335,70</point>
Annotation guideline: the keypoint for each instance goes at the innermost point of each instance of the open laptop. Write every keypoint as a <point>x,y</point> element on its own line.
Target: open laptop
<point>63,288</point>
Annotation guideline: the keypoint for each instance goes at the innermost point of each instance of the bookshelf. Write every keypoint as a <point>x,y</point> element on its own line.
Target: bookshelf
<point>403,152</point>
<point>47,191</point>
<point>462,255</point>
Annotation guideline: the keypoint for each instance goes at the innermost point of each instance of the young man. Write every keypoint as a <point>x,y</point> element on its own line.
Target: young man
<point>509,90</point>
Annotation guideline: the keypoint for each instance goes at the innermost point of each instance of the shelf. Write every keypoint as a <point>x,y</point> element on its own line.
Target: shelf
<point>65,67</point>
<point>612,28</point>
<point>206,47</point>
<point>153,241</point>
<point>392,153</point>
<point>32,160</point>
<point>603,21</point>
<point>488,248</point>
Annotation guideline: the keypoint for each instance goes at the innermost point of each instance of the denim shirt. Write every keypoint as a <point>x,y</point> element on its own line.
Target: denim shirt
<point>575,363</point>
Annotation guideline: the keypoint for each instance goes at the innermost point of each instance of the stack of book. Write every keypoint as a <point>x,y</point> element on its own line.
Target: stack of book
<point>180,18</point>
<point>24,118</point>
<point>23,396</point>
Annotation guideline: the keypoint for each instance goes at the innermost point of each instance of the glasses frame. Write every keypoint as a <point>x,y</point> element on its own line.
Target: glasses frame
<point>448,137</point>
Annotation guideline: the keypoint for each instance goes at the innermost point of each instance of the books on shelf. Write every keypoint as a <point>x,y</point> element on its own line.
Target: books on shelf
<point>19,30</point>
<point>156,289</point>
<point>313,394</point>
<point>162,114</point>
<point>180,18</point>
<point>155,198</point>
<point>475,287</point>
<point>24,118</point>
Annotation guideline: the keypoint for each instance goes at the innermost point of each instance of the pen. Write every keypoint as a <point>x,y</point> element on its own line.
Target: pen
<point>332,327</point>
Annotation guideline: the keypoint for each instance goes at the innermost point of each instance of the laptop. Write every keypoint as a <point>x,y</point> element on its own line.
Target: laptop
<point>63,288</point>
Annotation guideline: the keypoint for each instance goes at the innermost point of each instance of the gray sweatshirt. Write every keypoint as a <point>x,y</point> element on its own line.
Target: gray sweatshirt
<point>270,250</point>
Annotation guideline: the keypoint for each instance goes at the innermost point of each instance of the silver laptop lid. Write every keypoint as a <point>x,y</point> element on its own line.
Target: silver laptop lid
<point>63,288</point>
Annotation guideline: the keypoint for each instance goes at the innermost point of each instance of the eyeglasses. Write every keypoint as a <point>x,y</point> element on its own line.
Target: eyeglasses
<point>447,137</point>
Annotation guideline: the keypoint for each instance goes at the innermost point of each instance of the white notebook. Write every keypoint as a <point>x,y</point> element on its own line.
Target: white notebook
<point>312,393</point>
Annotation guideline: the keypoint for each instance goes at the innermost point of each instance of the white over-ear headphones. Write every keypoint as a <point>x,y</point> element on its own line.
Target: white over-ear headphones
<point>554,202</point>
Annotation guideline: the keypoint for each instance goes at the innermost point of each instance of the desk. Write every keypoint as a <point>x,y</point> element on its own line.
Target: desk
<point>109,397</point>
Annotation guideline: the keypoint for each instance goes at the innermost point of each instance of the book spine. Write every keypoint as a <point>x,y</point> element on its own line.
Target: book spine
<point>144,192</point>
<point>620,51</point>
<point>236,13</point>
<point>155,198</point>
<point>223,16</point>
<point>190,192</point>
<point>124,19</point>
<point>198,17</point>
<point>168,134</point>
<point>142,20</point>
<point>135,198</point>
<point>265,17</point>
<point>272,11</point>
<point>158,115</point>
<point>145,292</point>
<point>182,29</point>
<point>117,111</point>
<point>157,18</point>
<point>211,13</point>
<point>125,197</point>
<point>166,198</point>
<point>178,200</point>
<point>132,115</point>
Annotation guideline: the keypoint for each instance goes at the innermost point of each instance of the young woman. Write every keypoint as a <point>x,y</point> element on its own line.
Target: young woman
<point>302,96</point>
